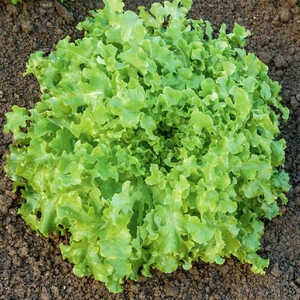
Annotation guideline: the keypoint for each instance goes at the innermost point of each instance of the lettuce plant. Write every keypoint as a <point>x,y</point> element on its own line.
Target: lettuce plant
<point>154,145</point>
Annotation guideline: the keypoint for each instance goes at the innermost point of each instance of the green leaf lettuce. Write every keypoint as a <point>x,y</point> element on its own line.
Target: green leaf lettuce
<point>154,145</point>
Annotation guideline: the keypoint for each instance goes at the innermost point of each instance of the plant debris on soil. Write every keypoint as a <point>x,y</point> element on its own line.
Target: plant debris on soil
<point>31,266</point>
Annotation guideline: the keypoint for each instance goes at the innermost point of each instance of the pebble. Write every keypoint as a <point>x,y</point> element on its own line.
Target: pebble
<point>296,10</point>
<point>63,12</point>
<point>291,50</point>
<point>46,4</point>
<point>42,11</point>
<point>10,229</point>
<point>275,270</point>
<point>284,14</point>
<point>298,97</point>
<point>26,26</point>
<point>171,291</point>
<point>23,251</point>
<point>275,21</point>
<point>292,3</point>
<point>297,190</point>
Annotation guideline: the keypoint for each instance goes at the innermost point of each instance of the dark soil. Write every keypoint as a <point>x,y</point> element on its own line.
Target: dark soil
<point>31,266</point>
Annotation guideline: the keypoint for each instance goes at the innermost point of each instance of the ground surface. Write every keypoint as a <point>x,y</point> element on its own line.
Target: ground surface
<point>31,267</point>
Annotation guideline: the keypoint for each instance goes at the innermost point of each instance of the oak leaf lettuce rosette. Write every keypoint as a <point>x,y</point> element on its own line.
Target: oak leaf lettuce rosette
<point>155,144</point>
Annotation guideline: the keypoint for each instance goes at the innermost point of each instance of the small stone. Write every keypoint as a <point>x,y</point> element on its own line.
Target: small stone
<point>297,280</point>
<point>295,10</point>
<point>10,229</point>
<point>276,21</point>
<point>297,190</point>
<point>26,26</point>
<point>291,50</point>
<point>171,291</point>
<point>46,4</point>
<point>284,14</point>
<point>292,3</point>
<point>23,251</point>
<point>63,12</point>
<point>275,270</point>
<point>298,97</point>
<point>279,61</point>
<point>298,201</point>
<point>42,11</point>
<point>289,59</point>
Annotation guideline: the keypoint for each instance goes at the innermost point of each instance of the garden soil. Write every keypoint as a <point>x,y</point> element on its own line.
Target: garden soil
<point>31,266</point>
